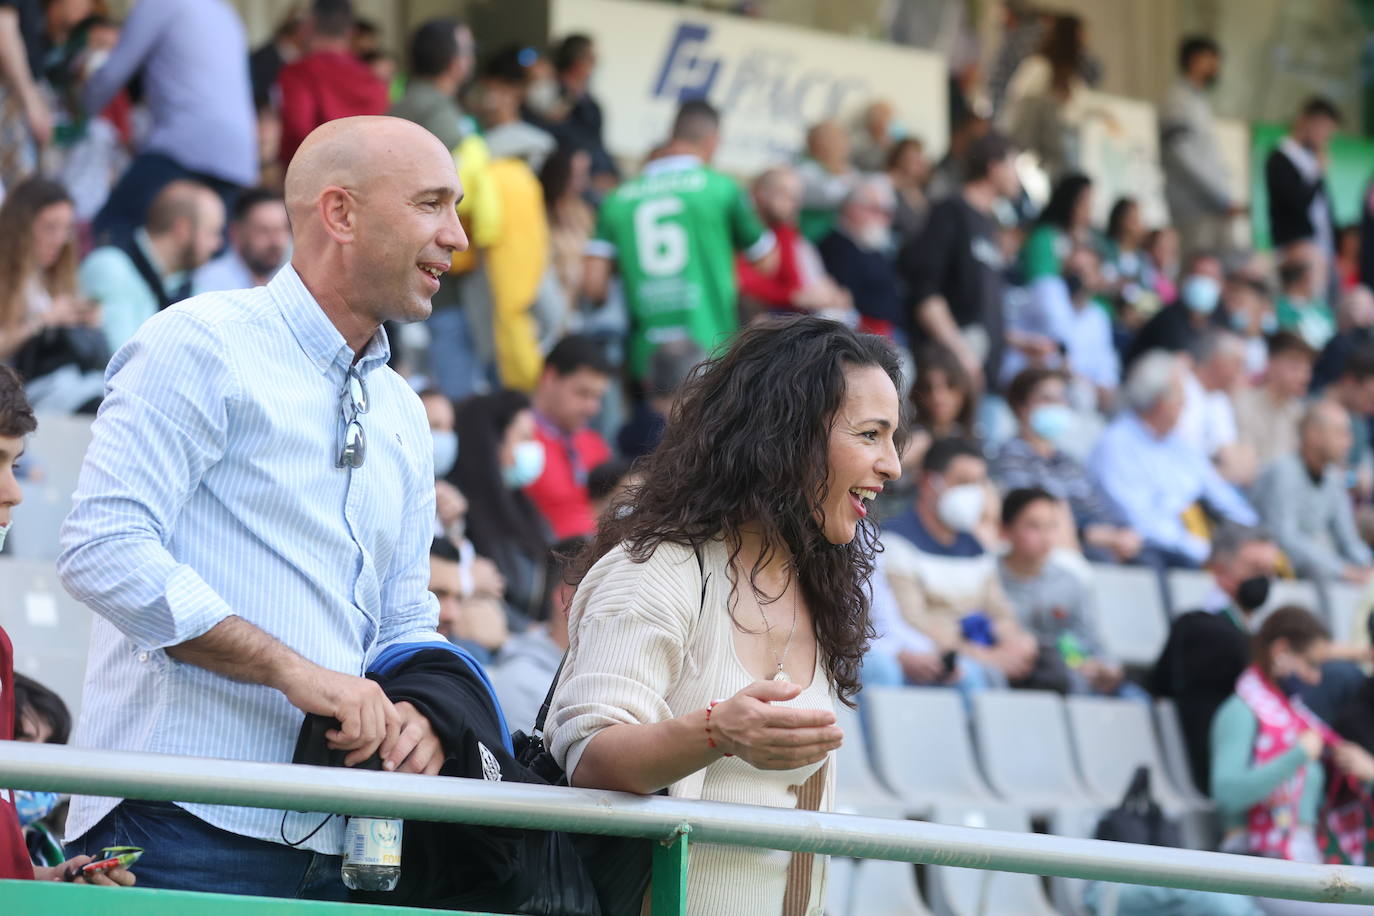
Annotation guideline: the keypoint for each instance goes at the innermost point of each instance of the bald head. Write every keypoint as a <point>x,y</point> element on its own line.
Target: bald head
<point>372,203</point>
<point>185,225</point>
<point>1325,434</point>
<point>177,201</point>
<point>778,195</point>
<point>355,154</point>
<point>828,143</point>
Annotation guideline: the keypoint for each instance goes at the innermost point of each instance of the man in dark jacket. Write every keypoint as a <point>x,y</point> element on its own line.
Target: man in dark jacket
<point>1209,647</point>
<point>857,253</point>
<point>1295,174</point>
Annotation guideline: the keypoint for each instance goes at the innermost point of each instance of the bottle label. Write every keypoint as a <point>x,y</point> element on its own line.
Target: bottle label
<point>372,841</point>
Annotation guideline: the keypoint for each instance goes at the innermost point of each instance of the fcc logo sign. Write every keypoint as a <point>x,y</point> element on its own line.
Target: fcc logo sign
<point>688,73</point>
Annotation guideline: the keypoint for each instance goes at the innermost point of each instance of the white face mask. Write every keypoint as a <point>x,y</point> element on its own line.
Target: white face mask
<point>529,464</point>
<point>4,530</point>
<point>542,95</point>
<point>961,507</point>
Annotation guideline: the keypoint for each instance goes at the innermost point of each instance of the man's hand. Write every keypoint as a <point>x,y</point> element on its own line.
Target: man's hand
<point>1126,544</point>
<point>1104,678</point>
<point>116,877</point>
<point>487,579</point>
<point>1015,655</point>
<point>365,714</point>
<point>921,667</point>
<point>449,503</point>
<point>482,620</point>
<point>412,747</point>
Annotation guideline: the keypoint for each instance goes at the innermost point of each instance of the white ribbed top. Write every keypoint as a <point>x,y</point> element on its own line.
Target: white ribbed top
<point>644,648</point>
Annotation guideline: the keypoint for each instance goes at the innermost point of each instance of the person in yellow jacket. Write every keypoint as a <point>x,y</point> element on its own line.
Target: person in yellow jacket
<point>517,261</point>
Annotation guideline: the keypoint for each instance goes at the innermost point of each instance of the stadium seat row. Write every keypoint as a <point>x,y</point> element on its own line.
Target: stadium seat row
<point>917,752</point>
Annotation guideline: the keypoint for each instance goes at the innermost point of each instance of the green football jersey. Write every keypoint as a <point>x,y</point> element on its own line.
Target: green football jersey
<point>673,233</point>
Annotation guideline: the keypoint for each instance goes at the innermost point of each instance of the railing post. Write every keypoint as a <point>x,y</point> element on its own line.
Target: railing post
<point>668,882</point>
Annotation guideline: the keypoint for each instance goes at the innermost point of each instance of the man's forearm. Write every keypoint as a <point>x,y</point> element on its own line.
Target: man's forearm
<point>239,650</point>
<point>934,317</point>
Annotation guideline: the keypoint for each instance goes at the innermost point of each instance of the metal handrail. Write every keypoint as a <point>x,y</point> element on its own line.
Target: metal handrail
<point>160,777</point>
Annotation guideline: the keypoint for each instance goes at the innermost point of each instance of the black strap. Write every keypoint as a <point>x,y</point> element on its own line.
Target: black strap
<point>548,697</point>
<point>151,277</point>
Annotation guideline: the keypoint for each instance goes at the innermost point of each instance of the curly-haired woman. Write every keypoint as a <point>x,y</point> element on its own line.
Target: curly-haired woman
<point>723,608</point>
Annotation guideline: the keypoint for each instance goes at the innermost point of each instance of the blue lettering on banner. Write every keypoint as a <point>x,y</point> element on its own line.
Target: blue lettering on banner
<point>762,82</point>
<point>686,73</point>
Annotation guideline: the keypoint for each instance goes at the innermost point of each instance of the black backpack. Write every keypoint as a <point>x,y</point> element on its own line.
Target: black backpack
<point>1139,819</point>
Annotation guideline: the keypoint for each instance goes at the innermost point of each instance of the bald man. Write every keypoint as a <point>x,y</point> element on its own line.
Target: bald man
<point>253,522</point>
<point>143,272</point>
<point>1304,500</point>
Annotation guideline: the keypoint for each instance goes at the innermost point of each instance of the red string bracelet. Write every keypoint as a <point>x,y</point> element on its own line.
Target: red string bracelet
<point>710,742</point>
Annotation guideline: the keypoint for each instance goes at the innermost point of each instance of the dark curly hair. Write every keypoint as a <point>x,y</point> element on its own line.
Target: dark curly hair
<point>748,444</point>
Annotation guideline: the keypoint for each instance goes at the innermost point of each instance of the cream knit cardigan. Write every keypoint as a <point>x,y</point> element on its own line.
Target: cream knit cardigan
<point>645,647</point>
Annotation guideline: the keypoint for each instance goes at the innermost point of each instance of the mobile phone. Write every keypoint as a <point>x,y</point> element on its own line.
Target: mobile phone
<point>111,857</point>
<point>949,660</point>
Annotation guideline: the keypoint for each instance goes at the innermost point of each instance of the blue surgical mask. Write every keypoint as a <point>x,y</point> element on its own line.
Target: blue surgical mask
<point>1052,422</point>
<point>1201,293</point>
<point>1269,324</point>
<point>34,806</point>
<point>528,465</point>
<point>445,451</point>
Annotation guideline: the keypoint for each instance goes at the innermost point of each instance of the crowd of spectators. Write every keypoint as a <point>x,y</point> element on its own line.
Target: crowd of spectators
<point>1079,393</point>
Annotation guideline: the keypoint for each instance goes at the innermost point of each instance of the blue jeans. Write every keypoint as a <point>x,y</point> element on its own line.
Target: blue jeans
<point>127,206</point>
<point>882,670</point>
<point>184,853</point>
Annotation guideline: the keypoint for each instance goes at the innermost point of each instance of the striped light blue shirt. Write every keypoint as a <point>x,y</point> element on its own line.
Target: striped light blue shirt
<point>210,489</point>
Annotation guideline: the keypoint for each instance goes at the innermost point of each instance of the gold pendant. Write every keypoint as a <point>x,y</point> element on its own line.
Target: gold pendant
<point>782,676</point>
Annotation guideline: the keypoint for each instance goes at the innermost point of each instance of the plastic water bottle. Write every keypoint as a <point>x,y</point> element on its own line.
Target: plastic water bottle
<point>372,853</point>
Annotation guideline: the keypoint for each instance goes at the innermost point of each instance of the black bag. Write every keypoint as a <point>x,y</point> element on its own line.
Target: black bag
<point>55,347</point>
<point>1139,819</point>
<point>618,866</point>
<point>466,866</point>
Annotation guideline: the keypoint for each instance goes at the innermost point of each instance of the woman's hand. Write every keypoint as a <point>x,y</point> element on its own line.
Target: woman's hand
<point>770,737</point>
<point>1311,743</point>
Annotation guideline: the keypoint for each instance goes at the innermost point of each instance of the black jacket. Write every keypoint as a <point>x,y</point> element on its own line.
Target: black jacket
<point>1204,657</point>
<point>463,866</point>
<point>1290,196</point>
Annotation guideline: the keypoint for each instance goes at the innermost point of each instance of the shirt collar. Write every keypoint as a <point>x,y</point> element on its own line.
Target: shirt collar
<point>316,334</point>
<point>678,163</point>
<point>1301,157</point>
<point>551,428</point>
<point>1145,431</point>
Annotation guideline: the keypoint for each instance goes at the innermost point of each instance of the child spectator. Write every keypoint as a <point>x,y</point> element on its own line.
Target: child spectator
<point>1050,601</point>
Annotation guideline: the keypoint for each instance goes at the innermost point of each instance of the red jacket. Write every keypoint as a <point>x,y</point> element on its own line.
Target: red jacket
<point>561,491</point>
<point>320,87</point>
<point>14,855</point>
<point>776,289</point>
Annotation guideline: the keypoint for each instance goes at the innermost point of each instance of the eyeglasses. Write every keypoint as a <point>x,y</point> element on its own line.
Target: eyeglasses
<point>352,403</point>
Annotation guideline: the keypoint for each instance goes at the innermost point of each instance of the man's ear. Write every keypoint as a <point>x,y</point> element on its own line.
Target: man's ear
<point>338,213</point>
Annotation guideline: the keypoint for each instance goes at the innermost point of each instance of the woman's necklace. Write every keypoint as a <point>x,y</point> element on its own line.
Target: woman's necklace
<point>780,675</point>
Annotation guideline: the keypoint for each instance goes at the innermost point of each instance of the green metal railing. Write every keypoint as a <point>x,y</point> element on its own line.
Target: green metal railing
<point>676,823</point>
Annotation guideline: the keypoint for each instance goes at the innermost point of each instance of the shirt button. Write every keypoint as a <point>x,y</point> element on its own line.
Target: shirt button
<point>143,656</point>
